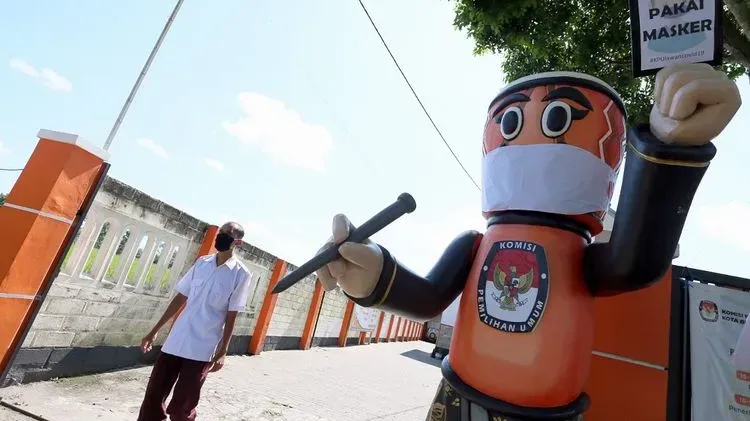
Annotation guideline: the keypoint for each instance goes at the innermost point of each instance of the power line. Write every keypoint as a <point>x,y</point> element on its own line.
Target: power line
<point>11,169</point>
<point>141,75</point>
<point>375,27</point>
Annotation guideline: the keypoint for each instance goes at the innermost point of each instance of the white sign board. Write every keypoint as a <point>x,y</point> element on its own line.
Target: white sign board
<point>717,316</point>
<point>365,318</point>
<point>665,32</point>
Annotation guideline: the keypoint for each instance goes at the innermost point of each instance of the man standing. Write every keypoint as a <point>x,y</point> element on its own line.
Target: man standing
<point>214,290</point>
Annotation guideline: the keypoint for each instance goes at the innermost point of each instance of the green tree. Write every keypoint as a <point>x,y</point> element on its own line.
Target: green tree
<point>2,198</point>
<point>591,36</point>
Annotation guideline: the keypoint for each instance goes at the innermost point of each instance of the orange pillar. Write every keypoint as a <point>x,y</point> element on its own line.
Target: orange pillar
<point>362,337</point>
<point>312,315</point>
<point>390,328</point>
<point>380,326</point>
<point>39,219</point>
<point>398,330</point>
<point>412,330</point>
<point>346,322</point>
<point>207,247</point>
<point>266,310</point>
<point>407,331</point>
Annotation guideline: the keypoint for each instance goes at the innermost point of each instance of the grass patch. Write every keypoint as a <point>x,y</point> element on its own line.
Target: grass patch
<point>67,257</point>
<point>111,272</point>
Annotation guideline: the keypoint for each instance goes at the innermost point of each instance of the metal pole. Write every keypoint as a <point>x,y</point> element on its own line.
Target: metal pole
<point>138,81</point>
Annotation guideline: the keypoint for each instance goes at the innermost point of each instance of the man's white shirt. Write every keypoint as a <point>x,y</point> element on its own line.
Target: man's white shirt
<point>212,291</point>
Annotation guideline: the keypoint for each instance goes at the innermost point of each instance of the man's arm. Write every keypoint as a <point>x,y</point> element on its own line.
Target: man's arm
<point>183,291</point>
<point>172,309</point>
<point>403,292</point>
<point>221,352</point>
<point>658,186</point>
<point>237,303</point>
<point>227,335</point>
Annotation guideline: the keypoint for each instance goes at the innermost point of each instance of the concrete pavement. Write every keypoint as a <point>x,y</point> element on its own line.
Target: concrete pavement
<point>8,415</point>
<point>383,382</point>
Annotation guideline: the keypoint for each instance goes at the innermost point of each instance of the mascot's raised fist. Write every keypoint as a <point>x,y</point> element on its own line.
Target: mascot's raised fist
<point>693,103</point>
<point>358,269</point>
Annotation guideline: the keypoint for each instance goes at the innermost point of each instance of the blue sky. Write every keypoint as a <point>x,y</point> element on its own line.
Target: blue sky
<point>332,128</point>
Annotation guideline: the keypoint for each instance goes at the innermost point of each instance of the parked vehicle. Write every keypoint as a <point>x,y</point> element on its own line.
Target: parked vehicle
<point>445,331</point>
<point>431,330</point>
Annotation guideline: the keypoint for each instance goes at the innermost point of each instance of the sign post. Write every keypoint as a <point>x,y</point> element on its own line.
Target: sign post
<point>665,32</point>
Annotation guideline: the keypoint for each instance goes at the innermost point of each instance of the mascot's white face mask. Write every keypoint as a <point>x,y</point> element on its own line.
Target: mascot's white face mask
<point>554,178</point>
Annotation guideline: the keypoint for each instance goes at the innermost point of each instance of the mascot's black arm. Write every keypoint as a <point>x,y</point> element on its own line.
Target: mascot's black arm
<point>401,291</point>
<point>658,186</point>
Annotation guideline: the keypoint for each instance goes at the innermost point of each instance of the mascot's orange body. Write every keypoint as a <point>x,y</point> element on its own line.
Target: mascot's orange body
<point>549,360</point>
<point>522,341</point>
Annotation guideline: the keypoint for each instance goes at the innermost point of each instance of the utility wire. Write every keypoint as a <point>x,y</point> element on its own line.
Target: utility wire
<point>141,75</point>
<point>11,169</point>
<point>375,27</point>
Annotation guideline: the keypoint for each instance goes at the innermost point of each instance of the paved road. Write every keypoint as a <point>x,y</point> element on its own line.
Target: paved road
<point>383,382</point>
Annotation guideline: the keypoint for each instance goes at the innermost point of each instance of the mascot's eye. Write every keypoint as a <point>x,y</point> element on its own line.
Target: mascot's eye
<point>511,123</point>
<point>558,116</point>
<point>556,119</point>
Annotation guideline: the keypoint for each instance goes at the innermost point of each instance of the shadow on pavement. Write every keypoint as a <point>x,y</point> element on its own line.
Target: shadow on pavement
<point>422,357</point>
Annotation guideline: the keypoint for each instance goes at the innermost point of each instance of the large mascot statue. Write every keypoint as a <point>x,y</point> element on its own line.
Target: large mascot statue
<point>553,145</point>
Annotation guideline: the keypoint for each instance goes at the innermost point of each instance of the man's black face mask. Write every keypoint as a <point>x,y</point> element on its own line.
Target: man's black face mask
<point>223,241</point>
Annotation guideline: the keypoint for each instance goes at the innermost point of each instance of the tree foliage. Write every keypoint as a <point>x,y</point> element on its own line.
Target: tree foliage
<point>590,36</point>
<point>2,198</point>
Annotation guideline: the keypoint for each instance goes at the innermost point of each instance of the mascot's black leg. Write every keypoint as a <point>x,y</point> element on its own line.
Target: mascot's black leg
<point>457,401</point>
<point>448,405</point>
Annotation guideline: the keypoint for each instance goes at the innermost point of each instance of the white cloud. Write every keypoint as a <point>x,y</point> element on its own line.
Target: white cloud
<point>273,237</point>
<point>23,67</point>
<point>420,239</point>
<point>218,166</point>
<point>56,81</point>
<point>280,132</point>
<point>3,150</point>
<point>727,222</point>
<point>48,77</point>
<point>152,146</point>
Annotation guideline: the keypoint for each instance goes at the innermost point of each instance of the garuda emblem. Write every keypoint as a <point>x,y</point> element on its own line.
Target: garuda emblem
<point>512,286</point>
